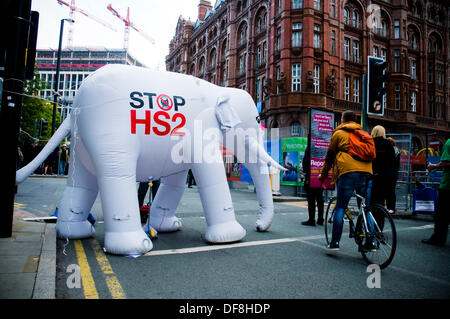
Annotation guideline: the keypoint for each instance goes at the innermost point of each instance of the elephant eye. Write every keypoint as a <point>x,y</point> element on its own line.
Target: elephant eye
<point>258,120</point>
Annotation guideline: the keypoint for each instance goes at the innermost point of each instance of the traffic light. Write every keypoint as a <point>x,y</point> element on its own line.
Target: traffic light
<point>376,85</point>
<point>43,128</point>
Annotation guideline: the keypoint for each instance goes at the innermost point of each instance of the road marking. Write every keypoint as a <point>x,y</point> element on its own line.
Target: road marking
<point>111,280</point>
<point>227,246</point>
<point>190,250</point>
<point>90,292</point>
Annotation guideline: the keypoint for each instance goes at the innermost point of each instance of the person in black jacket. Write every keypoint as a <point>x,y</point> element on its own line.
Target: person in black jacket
<point>313,195</point>
<point>383,166</point>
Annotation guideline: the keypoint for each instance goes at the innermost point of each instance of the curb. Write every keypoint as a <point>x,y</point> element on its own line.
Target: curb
<point>45,284</point>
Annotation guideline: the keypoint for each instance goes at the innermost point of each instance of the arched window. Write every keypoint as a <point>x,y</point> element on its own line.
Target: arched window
<point>242,34</point>
<point>383,28</point>
<point>346,15</point>
<point>356,18</point>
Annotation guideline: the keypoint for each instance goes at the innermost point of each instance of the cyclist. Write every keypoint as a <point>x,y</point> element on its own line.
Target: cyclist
<point>349,174</point>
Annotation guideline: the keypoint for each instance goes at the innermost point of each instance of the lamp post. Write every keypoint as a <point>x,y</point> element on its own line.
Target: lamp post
<point>58,63</point>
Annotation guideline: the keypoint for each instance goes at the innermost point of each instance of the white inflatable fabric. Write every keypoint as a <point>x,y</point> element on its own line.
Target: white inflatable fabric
<point>133,124</point>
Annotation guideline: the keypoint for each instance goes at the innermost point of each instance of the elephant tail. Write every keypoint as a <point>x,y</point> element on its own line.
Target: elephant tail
<point>54,141</point>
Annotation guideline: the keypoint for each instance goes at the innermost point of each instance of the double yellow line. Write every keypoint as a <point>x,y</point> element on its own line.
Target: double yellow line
<point>88,283</point>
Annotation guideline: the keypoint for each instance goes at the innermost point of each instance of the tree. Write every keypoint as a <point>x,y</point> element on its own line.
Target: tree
<point>35,108</point>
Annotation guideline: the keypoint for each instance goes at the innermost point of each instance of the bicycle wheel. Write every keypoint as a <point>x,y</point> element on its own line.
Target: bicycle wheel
<point>384,237</point>
<point>328,221</point>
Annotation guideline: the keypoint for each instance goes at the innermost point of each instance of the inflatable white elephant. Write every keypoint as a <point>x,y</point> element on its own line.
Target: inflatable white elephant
<point>133,124</point>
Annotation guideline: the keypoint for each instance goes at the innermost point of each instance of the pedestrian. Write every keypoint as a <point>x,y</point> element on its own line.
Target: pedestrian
<point>191,179</point>
<point>64,158</point>
<point>383,166</point>
<point>313,195</point>
<point>349,174</point>
<point>19,158</point>
<point>392,197</point>
<point>50,163</point>
<point>442,209</point>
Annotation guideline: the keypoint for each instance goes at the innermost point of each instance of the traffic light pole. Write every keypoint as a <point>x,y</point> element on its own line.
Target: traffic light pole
<point>15,17</point>
<point>364,104</point>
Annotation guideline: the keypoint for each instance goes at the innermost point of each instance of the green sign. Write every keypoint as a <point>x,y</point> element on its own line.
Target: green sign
<point>292,152</point>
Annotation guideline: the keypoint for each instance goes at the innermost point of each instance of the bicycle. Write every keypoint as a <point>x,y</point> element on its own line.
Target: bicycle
<point>383,234</point>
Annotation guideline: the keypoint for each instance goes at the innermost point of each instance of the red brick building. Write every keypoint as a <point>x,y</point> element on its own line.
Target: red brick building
<point>295,54</point>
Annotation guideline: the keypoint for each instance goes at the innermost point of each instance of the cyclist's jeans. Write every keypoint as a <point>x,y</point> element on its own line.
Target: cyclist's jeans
<point>346,184</point>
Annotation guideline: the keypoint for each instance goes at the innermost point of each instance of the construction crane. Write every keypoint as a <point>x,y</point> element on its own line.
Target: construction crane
<point>74,9</point>
<point>128,24</point>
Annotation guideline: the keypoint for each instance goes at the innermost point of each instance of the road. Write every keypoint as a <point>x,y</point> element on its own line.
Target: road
<point>289,261</point>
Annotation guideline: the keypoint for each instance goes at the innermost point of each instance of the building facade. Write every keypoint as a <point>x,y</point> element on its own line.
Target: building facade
<point>76,64</point>
<point>291,55</point>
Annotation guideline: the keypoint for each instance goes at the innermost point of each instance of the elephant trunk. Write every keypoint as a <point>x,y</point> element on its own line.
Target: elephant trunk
<point>259,172</point>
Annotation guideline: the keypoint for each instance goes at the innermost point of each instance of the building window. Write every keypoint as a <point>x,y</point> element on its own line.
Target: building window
<point>346,48</point>
<point>242,64</point>
<point>383,29</point>
<point>278,78</point>
<point>413,41</point>
<point>297,35</point>
<point>258,90</point>
<point>333,9</point>
<point>356,51</point>
<point>430,73</point>
<point>333,42</point>
<point>413,101</point>
<point>356,90</point>
<point>356,19</point>
<point>278,41</point>
<point>431,110</point>
<point>296,78</point>
<point>396,29</point>
<point>347,88</point>
<point>316,78</point>
<point>397,97</point>
<point>439,108</point>
<point>279,7</point>
<point>317,5</point>
<point>375,51</point>
<point>317,43</point>
<point>405,97</point>
<point>297,4</point>
<point>396,60</point>
<point>413,69</point>
<point>383,54</point>
<point>346,15</point>
<point>295,130</point>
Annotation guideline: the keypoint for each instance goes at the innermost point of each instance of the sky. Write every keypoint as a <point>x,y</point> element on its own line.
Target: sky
<point>156,18</point>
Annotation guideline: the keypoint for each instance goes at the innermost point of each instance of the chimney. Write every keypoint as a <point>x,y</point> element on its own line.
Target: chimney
<point>203,6</point>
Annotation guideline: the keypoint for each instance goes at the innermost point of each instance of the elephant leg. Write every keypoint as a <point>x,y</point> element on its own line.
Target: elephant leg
<point>217,205</point>
<point>162,211</point>
<point>261,179</point>
<point>116,173</point>
<point>76,202</point>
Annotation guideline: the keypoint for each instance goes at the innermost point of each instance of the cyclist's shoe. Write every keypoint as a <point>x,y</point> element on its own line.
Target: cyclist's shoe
<point>320,222</point>
<point>333,246</point>
<point>370,245</point>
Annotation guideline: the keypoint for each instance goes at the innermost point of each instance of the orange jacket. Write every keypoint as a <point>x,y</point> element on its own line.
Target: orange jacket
<point>338,157</point>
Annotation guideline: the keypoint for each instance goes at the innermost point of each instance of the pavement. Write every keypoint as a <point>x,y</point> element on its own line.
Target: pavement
<point>28,257</point>
<point>28,260</point>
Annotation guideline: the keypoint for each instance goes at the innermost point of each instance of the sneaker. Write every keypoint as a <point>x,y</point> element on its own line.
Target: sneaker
<point>370,246</point>
<point>333,246</point>
<point>309,223</point>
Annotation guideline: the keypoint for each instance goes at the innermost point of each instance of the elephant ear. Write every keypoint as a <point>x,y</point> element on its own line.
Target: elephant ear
<point>226,114</point>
